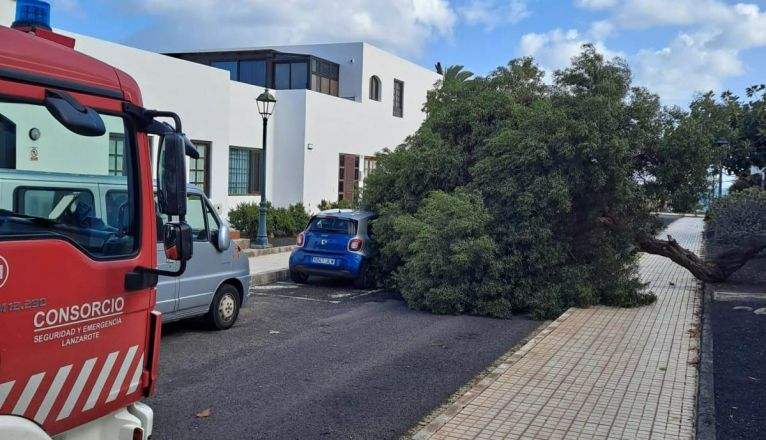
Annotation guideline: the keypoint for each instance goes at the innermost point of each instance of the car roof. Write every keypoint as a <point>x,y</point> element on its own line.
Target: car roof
<point>350,214</point>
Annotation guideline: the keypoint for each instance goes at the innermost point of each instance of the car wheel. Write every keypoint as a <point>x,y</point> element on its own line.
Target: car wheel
<point>364,279</point>
<point>298,277</point>
<point>224,309</point>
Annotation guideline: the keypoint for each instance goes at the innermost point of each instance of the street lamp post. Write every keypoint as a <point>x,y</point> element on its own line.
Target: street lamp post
<point>721,143</point>
<point>266,104</point>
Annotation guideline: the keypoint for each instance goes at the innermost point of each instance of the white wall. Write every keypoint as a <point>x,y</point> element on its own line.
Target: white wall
<point>7,12</point>
<point>287,148</point>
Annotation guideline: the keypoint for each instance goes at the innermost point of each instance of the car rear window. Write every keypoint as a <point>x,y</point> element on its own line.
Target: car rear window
<point>333,225</point>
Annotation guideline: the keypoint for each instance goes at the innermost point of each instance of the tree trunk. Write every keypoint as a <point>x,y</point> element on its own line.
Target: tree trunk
<point>714,271</point>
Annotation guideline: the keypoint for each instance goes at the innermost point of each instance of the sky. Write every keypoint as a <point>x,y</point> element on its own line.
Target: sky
<point>676,48</point>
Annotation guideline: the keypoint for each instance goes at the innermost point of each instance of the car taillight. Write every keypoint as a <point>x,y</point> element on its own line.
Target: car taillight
<point>355,245</point>
<point>299,241</point>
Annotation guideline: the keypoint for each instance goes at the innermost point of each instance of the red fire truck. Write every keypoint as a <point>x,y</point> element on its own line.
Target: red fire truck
<point>79,337</point>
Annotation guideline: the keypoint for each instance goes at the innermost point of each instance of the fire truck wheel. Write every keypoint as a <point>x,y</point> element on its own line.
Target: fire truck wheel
<point>224,310</point>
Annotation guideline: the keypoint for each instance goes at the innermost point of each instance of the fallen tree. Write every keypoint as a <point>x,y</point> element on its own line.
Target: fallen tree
<point>526,172</point>
<point>711,271</point>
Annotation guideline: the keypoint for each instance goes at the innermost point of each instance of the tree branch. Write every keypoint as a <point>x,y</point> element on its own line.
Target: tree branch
<point>714,271</point>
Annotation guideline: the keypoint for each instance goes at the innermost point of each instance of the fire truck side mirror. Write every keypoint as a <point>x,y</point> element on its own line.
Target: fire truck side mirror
<point>177,238</point>
<point>171,174</point>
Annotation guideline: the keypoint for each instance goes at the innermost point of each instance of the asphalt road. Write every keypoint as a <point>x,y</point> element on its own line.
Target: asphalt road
<point>320,361</point>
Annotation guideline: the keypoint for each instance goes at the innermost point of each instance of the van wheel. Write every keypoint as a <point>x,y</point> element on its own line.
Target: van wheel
<point>224,310</point>
<point>364,279</point>
<point>298,277</point>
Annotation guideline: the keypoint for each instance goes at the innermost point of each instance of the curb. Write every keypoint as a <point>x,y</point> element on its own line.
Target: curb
<point>507,362</point>
<point>268,251</point>
<point>260,279</point>
<point>706,386</point>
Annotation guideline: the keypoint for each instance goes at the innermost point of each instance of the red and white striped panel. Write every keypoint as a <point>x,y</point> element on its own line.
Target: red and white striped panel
<point>69,385</point>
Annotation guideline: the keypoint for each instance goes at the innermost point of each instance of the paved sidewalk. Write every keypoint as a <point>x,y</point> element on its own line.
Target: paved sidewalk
<point>265,269</point>
<point>598,373</point>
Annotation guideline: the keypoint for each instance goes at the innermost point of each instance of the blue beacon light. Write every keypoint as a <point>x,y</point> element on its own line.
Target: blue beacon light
<point>32,13</point>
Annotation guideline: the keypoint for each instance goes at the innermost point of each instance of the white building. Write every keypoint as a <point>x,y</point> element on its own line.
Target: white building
<point>337,105</point>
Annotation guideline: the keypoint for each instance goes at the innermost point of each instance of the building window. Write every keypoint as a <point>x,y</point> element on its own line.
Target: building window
<point>324,77</point>
<point>348,176</point>
<point>398,98</point>
<point>253,72</point>
<point>375,88</point>
<point>291,75</point>
<point>244,171</point>
<point>230,66</point>
<point>117,154</point>
<point>246,71</point>
<point>369,164</point>
<point>199,169</point>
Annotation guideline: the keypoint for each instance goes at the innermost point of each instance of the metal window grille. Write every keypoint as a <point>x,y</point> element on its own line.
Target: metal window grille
<point>239,171</point>
<point>116,154</point>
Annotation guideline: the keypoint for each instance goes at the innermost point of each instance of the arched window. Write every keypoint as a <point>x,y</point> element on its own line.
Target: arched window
<point>375,88</point>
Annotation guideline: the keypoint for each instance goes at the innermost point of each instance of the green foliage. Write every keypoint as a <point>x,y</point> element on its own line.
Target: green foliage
<point>324,205</point>
<point>498,202</point>
<point>450,264</point>
<point>737,216</point>
<point>280,222</point>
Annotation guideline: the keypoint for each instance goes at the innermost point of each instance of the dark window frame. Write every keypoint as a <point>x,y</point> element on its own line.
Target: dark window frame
<point>375,88</point>
<point>121,157</point>
<point>322,69</point>
<point>206,171</point>
<point>237,74</point>
<point>398,98</point>
<point>290,63</point>
<point>254,171</point>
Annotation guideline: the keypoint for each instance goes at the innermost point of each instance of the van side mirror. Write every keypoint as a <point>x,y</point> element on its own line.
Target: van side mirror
<point>177,238</point>
<point>171,174</point>
<point>224,238</point>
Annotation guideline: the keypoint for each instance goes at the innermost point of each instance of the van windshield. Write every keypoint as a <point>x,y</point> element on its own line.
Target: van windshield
<point>333,225</point>
<point>59,184</point>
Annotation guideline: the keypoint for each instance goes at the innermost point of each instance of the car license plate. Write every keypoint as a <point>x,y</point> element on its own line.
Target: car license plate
<point>323,260</point>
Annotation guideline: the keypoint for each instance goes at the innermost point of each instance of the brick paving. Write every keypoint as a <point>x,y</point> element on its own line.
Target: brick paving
<point>598,373</point>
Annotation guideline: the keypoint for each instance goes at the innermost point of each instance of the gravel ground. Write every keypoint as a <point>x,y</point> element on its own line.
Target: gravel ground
<point>739,353</point>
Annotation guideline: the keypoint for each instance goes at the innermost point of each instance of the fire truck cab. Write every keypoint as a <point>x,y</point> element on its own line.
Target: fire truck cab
<point>79,337</point>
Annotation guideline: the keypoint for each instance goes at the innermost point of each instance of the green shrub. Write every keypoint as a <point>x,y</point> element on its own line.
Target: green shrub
<point>736,217</point>
<point>324,205</point>
<point>280,222</point>
<point>450,263</point>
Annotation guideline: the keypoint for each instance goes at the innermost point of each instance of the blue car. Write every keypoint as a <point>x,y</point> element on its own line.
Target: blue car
<point>336,244</point>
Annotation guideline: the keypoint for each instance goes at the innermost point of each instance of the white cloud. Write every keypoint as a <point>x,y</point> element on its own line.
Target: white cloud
<point>685,66</point>
<point>555,49</point>
<point>600,30</point>
<point>704,53</point>
<point>641,14</point>
<point>400,25</point>
<point>492,13</point>
<point>595,4</point>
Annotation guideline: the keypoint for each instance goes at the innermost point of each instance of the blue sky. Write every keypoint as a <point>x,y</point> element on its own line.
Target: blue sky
<point>675,47</point>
